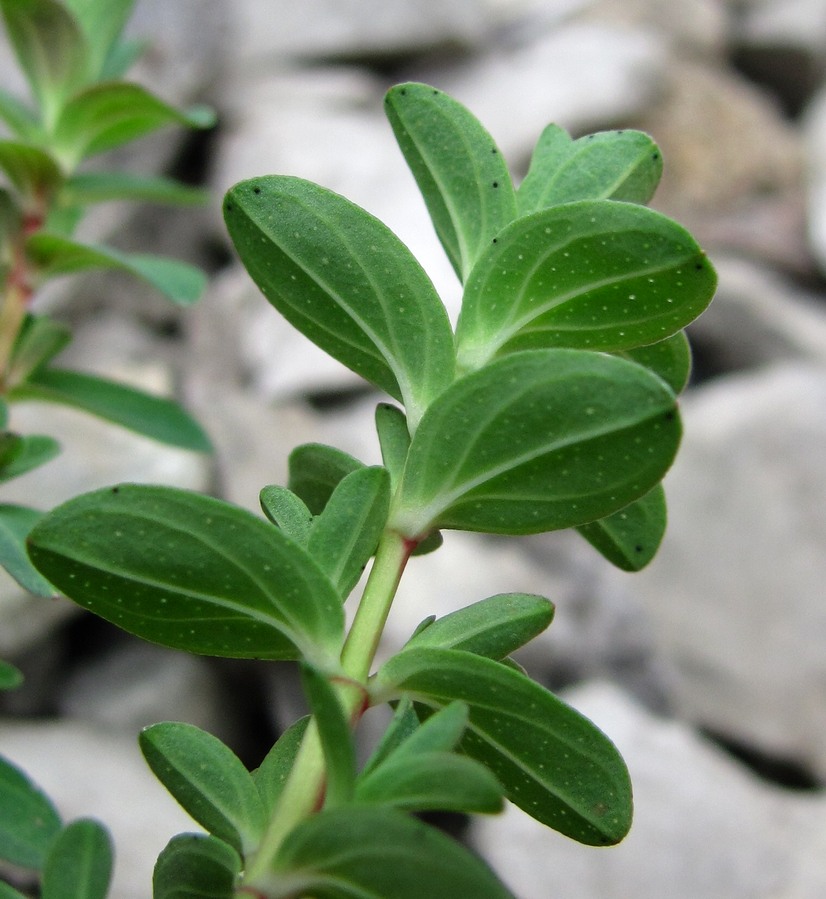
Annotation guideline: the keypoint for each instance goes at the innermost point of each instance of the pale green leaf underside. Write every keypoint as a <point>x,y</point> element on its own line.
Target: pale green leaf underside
<point>344,280</point>
<point>536,441</point>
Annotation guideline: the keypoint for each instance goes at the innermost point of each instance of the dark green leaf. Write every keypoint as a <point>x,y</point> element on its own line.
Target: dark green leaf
<point>79,864</point>
<point>152,416</point>
<point>10,677</point>
<point>50,48</point>
<point>287,511</point>
<point>54,255</point>
<point>194,866</point>
<point>347,282</point>
<point>316,470</point>
<point>29,822</point>
<point>403,723</point>
<point>536,441</point>
<point>39,340</point>
<point>26,454</point>
<point>494,627</point>
<point>461,173</point>
<point>554,763</point>
<point>31,170</point>
<point>610,165</point>
<point>336,739</point>
<point>631,537</point>
<point>355,853</point>
<point>102,22</point>
<point>394,439</point>
<point>15,524</point>
<point>596,274</point>
<point>98,187</point>
<point>208,780</point>
<point>345,535</point>
<point>190,572</point>
<point>105,116</point>
<point>272,773</point>
<point>670,359</point>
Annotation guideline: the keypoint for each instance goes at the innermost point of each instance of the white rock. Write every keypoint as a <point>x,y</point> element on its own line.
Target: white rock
<point>90,772</point>
<point>703,825</point>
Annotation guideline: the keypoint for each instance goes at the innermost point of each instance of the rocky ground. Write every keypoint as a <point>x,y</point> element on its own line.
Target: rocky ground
<point>708,668</point>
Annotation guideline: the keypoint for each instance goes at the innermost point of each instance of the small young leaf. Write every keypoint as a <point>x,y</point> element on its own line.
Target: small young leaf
<point>54,255</point>
<point>31,170</point>
<point>107,115</point>
<point>195,866</point>
<point>208,780</point>
<point>610,165</point>
<point>153,416</point>
<point>287,511</point>
<point>336,739</point>
<point>404,722</point>
<point>79,864</point>
<point>377,852</point>
<point>631,537</point>
<point>15,524</point>
<point>459,169</point>
<point>554,763</point>
<point>494,627</point>
<point>537,441</point>
<point>315,470</point>
<point>669,358</point>
<point>10,677</point>
<point>29,822</point>
<point>28,453</point>
<point>345,535</point>
<point>98,187</point>
<point>271,775</point>
<point>39,340</point>
<point>394,439</point>
<point>602,275</point>
<point>347,282</point>
<point>102,22</point>
<point>190,572</point>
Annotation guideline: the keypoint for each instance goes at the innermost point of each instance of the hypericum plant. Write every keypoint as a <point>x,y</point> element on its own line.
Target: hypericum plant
<point>74,59</point>
<point>552,406</point>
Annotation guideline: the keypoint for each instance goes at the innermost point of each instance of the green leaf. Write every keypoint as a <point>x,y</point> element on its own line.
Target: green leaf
<point>79,864</point>
<point>153,416</point>
<point>195,866</point>
<point>29,822</point>
<point>102,22</point>
<point>50,47</point>
<point>271,775</point>
<point>347,282</point>
<point>54,255</point>
<point>345,535</point>
<point>595,274</point>
<point>32,171</point>
<point>354,853</point>
<point>122,57</point>
<point>554,763</point>
<point>315,470</point>
<point>105,116</point>
<point>19,118</point>
<point>494,627</point>
<point>10,677</point>
<point>335,736</point>
<point>610,165</point>
<point>404,722</point>
<point>208,780</point>
<point>461,173</point>
<point>98,187</point>
<point>537,441</point>
<point>15,524</point>
<point>25,454</point>
<point>669,358</point>
<point>394,439</point>
<point>287,511</point>
<point>39,341</point>
<point>190,572</point>
<point>9,892</point>
<point>631,537</point>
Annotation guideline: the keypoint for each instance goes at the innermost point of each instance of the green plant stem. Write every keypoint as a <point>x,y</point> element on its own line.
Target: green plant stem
<point>304,788</point>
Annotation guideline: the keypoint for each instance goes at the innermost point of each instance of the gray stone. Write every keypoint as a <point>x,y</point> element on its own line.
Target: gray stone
<point>735,595</point>
<point>703,825</point>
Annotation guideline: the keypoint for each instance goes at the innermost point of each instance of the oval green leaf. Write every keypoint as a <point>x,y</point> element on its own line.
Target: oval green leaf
<point>190,572</point>
<point>79,864</point>
<point>29,823</point>
<point>347,282</point>
<point>208,780</point>
<point>15,524</point>
<point>460,171</point>
<point>596,274</point>
<point>537,441</point>
<point>287,511</point>
<point>669,358</point>
<point>554,763</point>
<point>195,866</point>
<point>315,470</point>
